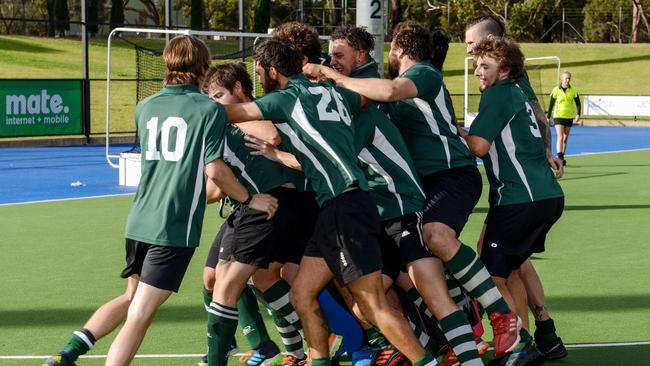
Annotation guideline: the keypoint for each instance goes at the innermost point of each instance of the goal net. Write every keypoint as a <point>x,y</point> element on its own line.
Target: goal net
<point>133,81</point>
<point>543,73</point>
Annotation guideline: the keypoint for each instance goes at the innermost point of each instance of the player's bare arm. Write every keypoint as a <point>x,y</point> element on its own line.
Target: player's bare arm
<point>478,145</point>
<point>544,129</point>
<point>263,130</point>
<point>243,112</point>
<point>271,152</point>
<point>380,90</point>
<point>212,192</point>
<point>223,177</point>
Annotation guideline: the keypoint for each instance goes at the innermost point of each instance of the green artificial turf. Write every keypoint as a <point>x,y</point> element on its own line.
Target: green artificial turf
<point>61,260</point>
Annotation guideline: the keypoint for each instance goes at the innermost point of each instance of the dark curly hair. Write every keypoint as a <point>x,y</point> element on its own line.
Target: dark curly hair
<point>227,75</point>
<point>279,53</point>
<point>505,51</point>
<point>303,36</point>
<point>357,37</point>
<point>413,39</point>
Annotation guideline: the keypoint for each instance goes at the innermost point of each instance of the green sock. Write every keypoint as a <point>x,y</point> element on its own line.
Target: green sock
<point>80,343</point>
<point>321,362</point>
<point>250,319</point>
<point>277,297</point>
<point>455,290</point>
<point>469,270</point>
<point>427,359</point>
<point>460,337</point>
<point>375,338</point>
<point>222,324</point>
<point>429,343</point>
<point>291,338</point>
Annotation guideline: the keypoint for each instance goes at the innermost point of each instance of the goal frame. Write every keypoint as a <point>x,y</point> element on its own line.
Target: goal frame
<point>467,119</point>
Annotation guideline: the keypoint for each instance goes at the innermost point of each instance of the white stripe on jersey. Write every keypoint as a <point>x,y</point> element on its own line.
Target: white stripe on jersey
<point>366,157</point>
<point>298,115</point>
<point>442,107</point>
<point>233,160</point>
<point>494,158</point>
<point>381,142</point>
<point>198,189</point>
<point>300,146</point>
<point>425,109</point>
<point>509,143</point>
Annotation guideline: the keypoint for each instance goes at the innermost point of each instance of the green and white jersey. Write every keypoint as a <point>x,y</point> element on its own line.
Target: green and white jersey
<point>516,163</point>
<point>525,86</point>
<point>257,173</point>
<point>428,123</point>
<point>392,179</point>
<point>315,122</point>
<point>181,130</point>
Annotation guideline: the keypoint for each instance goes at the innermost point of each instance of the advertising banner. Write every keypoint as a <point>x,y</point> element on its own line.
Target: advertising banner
<point>41,107</point>
<point>616,105</point>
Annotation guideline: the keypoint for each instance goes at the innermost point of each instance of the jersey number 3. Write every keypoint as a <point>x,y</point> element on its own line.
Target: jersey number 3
<point>179,127</point>
<point>534,129</point>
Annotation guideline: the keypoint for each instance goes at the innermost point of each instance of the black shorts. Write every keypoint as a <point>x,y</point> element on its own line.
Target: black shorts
<point>515,232</point>
<point>253,239</point>
<point>225,233</point>
<point>303,213</point>
<point>568,122</point>
<point>406,234</point>
<point>160,266</point>
<point>451,196</point>
<point>347,236</point>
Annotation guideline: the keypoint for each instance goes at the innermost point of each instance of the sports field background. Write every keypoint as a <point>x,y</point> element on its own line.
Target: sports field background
<point>597,69</point>
<point>60,260</point>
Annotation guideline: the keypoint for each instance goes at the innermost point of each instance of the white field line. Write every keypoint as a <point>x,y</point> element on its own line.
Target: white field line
<point>196,355</point>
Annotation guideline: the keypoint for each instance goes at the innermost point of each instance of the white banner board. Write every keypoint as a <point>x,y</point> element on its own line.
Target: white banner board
<point>616,105</point>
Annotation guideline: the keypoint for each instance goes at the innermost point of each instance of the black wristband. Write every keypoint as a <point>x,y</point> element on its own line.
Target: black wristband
<point>248,200</point>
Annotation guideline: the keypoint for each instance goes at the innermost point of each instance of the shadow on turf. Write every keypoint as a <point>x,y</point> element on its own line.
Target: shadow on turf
<point>21,46</point>
<point>599,304</point>
<point>76,317</point>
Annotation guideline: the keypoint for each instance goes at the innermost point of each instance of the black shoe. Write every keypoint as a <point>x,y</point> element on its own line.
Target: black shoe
<point>553,350</point>
<point>563,162</point>
<point>527,356</point>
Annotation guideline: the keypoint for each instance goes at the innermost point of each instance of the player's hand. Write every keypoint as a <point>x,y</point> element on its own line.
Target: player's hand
<point>316,71</point>
<point>556,165</point>
<point>264,202</point>
<point>577,120</point>
<point>261,148</point>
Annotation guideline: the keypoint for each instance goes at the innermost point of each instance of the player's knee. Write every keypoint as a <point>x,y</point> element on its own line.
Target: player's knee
<point>299,298</point>
<point>439,237</point>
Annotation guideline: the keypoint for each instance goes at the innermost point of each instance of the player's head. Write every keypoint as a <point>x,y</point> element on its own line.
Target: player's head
<point>186,58</point>
<point>351,48</point>
<point>228,83</point>
<point>304,37</point>
<point>276,57</point>
<point>440,45</point>
<point>496,59</point>
<point>481,27</point>
<point>566,79</point>
<point>410,40</point>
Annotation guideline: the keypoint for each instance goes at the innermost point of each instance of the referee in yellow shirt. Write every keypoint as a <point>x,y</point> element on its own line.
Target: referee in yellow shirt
<point>564,115</point>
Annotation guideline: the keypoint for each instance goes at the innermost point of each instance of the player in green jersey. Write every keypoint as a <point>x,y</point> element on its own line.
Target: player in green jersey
<point>253,247</point>
<point>525,198</point>
<point>549,343</point>
<point>183,142</point>
<point>396,189</point>
<point>421,108</point>
<point>314,120</point>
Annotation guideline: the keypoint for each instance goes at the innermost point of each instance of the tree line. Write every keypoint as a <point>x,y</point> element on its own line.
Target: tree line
<point>527,20</point>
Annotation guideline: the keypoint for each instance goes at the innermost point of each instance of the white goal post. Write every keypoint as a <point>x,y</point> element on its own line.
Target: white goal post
<point>111,159</point>
<point>468,116</point>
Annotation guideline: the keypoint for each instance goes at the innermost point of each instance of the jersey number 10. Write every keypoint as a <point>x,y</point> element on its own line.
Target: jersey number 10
<point>180,127</point>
